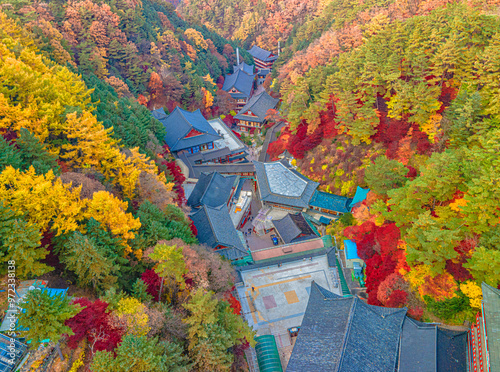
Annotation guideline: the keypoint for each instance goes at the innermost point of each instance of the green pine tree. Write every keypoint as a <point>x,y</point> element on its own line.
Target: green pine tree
<point>43,316</point>
<point>20,241</point>
<point>140,354</point>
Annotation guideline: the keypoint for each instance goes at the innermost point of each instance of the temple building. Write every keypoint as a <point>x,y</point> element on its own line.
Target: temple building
<point>196,141</point>
<point>211,201</point>
<point>240,86</point>
<point>253,114</point>
<point>330,204</point>
<point>484,340</point>
<point>213,189</point>
<point>281,186</point>
<point>187,131</point>
<point>264,59</point>
<point>293,228</point>
<point>345,334</point>
<point>216,230</point>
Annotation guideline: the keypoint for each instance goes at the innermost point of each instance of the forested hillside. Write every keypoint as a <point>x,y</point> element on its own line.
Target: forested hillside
<point>90,197</point>
<point>264,22</point>
<point>403,100</point>
<point>140,48</point>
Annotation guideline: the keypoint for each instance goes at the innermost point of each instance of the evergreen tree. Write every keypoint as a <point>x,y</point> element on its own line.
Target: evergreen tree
<point>140,354</point>
<point>140,291</point>
<point>82,256</point>
<point>20,241</point>
<point>35,154</point>
<point>43,316</point>
<point>9,155</point>
<point>385,174</point>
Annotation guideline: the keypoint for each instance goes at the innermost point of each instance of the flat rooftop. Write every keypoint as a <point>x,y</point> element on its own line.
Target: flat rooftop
<point>229,139</point>
<point>280,295</point>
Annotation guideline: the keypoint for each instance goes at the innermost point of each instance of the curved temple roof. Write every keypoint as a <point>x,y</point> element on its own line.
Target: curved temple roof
<point>283,181</point>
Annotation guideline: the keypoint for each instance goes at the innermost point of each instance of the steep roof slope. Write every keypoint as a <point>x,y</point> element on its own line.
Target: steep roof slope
<point>258,106</point>
<point>181,122</point>
<point>241,81</point>
<point>243,66</point>
<point>293,225</point>
<point>262,54</point>
<point>212,189</point>
<point>215,228</point>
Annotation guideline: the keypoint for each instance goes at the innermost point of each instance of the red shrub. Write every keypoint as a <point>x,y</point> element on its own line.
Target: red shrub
<point>179,179</point>
<point>94,323</point>
<point>459,272</point>
<point>366,246</point>
<point>377,269</point>
<point>193,228</point>
<point>416,313</point>
<point>388,237</point>
<point>235,304</point>
<point>153,281</point>
<point>412,172</point>
<point>275,148</point>
<point>397,298</point>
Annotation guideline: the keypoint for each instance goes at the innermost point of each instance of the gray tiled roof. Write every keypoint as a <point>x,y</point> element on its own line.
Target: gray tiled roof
<point>243,66</point>
<point>319,344</point>
<point>491,306</point>
<point>215,227</point>
<point>263,72</point>
<point>262,54</point>
<point>293,225</point>
<point>418,347</point>
<point>451,351</point>
<point>345,334</point>
<point>179,123</point>
<point>372,340</point>
<point>240,80</point>
<point>209,155</point>
<point>223,168</point>
<point>258,105</point>
<point>159,113</point>
<point>280,184</point>
<point>212,189</point>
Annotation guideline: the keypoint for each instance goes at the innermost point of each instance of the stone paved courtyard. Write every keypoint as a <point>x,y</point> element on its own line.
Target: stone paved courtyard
<point>274,299</point>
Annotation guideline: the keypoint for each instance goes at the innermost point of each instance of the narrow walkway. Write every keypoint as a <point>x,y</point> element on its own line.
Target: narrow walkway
<point>270,137</point>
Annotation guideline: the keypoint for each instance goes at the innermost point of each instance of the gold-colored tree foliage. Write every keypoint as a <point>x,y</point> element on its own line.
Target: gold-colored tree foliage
<point>54,104</point>
<point>44,200</point>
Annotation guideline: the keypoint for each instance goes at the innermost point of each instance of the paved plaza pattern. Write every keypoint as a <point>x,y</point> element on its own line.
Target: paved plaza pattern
<point>274,299</point>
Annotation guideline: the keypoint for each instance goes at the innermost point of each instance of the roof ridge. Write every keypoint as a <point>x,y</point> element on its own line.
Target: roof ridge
<point>372,307</point>
<point>211,175</point>
<point>491,288</point>
<point>178,109</point>
<point>348,330</point>
<point>206,207</point>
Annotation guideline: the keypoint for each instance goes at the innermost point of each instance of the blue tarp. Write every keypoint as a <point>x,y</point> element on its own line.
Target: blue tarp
<point>351,250</point>
<point>359,196</point>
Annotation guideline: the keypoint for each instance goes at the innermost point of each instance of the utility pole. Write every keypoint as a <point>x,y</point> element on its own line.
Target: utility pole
<point>237,56</point>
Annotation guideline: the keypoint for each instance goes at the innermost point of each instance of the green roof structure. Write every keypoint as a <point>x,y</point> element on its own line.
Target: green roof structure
<point>267,354</point>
